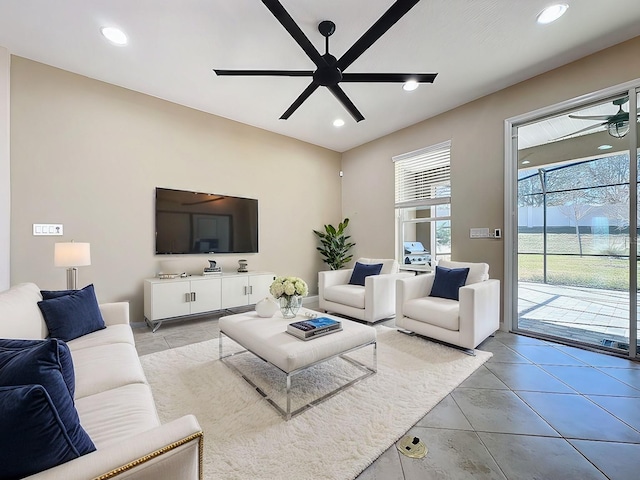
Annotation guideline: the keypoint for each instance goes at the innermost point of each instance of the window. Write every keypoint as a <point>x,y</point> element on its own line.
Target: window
<point>423,206</point>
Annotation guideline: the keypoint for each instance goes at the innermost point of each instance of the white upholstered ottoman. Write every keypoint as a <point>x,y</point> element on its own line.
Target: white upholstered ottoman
<point>267,338</point>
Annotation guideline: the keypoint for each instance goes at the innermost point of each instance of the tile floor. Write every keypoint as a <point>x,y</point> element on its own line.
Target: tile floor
<point>536,410</point>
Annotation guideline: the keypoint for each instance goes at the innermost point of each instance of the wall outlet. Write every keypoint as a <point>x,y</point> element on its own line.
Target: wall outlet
<point>497,233</point>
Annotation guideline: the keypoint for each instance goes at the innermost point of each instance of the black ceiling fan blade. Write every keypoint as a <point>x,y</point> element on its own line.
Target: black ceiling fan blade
<point>389,77</point>
<point>278,11</point>
<point>384,23</point>
<point>265,73</point>
<point>303,96</point>
<point>348,104</point>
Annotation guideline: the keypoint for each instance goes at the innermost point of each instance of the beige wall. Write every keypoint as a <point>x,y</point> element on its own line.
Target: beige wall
<point>477,156</point>
<point>89,155</point>
<point>5,164</point>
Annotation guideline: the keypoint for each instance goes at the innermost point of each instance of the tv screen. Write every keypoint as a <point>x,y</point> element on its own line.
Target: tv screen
<point>191,222</point>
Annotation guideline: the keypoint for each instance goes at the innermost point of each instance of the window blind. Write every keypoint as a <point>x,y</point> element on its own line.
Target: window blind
<point>423,177</point>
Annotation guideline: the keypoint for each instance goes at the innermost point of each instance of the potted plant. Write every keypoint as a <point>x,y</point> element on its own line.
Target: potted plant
<point>335,245</point>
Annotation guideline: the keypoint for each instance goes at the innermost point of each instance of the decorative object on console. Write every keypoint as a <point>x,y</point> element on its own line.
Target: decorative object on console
<point>266,308</point>
<point>72,255</point>
<point>242,266</point>
<point>289,291</point>
<point>335,245</point>
<point>212,268</point>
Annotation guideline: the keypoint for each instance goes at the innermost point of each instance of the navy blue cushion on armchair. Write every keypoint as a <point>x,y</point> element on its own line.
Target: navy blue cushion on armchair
<point>363,270</point>
<point>448,282</point>
<point>32,435</point>
<point>71,314</point>
<point>40,365</point>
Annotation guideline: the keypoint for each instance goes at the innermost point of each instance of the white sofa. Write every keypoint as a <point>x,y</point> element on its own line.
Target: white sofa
<point>375,301</point>
<point>113,399</point>
<point>464,323</point>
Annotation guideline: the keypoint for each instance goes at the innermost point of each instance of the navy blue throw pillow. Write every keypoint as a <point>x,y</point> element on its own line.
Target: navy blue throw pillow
<point>73,315</point>
<point>40,365</point>
<point>64,358</point>
<point>33,438</point>
<point>448,282</point>
<point>363,270</point>
<point>49,294</point>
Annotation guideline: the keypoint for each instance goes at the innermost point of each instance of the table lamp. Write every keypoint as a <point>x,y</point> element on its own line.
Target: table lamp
<point>72,255</point>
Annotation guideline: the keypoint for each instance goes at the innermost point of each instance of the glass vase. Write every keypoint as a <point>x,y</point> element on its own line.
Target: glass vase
<point>289,305</point>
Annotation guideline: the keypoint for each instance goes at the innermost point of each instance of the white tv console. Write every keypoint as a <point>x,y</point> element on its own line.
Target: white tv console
<point>184,297</point>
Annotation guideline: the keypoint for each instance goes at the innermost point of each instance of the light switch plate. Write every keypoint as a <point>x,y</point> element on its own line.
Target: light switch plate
<point>479,233</point>
<point>40,229</point>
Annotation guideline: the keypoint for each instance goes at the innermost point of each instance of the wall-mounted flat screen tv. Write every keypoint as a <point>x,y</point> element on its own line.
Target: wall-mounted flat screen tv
<point>192,222</point>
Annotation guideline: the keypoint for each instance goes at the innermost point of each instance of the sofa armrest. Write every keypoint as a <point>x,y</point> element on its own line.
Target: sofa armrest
<point>479,310</point>
<point>380,294</point>
<point>172,450</point>
<point>115,313</point>
<point>412,287</point>
<point>330,278</point>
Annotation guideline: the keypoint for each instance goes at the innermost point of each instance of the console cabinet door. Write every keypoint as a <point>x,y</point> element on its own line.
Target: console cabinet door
<point>259,287</point>
<point>235,291</point>
<point>168,300</point>
<point>206,295</point>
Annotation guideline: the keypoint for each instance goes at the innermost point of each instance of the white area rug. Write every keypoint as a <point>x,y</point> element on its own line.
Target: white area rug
<point>246,438</point>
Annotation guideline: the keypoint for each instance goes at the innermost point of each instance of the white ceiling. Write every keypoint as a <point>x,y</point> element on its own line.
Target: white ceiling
<point>477,47</point>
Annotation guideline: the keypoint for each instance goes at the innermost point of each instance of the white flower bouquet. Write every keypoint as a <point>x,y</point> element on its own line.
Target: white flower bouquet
<point>288,287</point>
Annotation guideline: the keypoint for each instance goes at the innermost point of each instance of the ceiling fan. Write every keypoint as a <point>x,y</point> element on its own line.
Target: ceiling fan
<point>617,124</point>
<point>330,72</point>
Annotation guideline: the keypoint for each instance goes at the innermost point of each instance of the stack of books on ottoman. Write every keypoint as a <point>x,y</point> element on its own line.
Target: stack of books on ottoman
<point>314,327</point>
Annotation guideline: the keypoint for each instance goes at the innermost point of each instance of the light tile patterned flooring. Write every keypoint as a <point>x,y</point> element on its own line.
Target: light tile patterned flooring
<point>536,410</point>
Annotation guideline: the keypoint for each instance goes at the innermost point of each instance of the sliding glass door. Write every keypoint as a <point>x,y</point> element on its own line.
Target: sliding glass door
<point>575,236</point>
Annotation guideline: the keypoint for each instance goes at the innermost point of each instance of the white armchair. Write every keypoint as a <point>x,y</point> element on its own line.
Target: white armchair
<point>374,301</point>
<point>466,322</point>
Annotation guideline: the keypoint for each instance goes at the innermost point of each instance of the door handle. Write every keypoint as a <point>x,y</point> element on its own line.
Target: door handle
<point>187,297</point>
<point>193,296</point>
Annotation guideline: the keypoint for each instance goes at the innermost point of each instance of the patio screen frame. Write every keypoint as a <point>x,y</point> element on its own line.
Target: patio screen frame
<point>511,125</point>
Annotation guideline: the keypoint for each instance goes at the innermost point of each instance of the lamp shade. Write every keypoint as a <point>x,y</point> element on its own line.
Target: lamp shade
<point>72,254</point>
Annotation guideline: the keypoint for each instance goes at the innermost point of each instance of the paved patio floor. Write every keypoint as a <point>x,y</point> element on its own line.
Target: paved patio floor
<point>590,315</point>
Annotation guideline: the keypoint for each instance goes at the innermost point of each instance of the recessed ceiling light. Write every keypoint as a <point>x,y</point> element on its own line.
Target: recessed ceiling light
<point>114,35</point>
<point>526,162</point>
<point>338,122</point>
<point>410,85</point>
<point>604,147</point>
<point>552,13</point>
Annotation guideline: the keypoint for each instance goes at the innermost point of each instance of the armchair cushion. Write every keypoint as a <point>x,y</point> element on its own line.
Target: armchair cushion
<point>351,295</point>
<point>362,270</point>
<point>448,282</point>
<point>72,314</point>
<point>440,312</point>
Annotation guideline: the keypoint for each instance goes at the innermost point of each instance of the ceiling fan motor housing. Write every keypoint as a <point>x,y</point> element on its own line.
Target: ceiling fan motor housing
<point>329,75</point>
